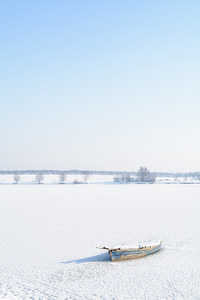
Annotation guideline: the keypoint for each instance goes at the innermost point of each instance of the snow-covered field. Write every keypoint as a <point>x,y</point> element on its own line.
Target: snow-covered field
<point>49,235</point>
<point>54,179</point>
<point>92,179</point>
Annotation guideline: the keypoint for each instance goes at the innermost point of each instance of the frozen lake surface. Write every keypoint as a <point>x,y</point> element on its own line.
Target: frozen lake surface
<point>49,235</point>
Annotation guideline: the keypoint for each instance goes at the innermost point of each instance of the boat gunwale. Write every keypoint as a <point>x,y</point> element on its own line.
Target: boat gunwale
<point>138,248</point>
<point>133,249</point>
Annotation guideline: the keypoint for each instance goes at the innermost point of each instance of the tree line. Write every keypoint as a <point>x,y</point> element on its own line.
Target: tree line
<point>194,175</point>
<point>39,177</point>
<point>142,175</point>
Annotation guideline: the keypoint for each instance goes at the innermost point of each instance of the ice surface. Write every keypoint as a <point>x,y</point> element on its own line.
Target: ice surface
<point>49,235</point>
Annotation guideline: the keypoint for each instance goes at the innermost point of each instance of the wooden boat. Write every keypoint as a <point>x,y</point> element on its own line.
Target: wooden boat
<point>125,252</point>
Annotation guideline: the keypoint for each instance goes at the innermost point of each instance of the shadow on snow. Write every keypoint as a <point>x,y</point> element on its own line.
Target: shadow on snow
<point>97,258</point>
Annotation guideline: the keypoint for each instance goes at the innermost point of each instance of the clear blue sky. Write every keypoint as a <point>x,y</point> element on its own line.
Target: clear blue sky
<point>105,85</point>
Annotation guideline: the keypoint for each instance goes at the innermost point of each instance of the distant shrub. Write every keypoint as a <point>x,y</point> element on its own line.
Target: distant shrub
<point>76,181</point>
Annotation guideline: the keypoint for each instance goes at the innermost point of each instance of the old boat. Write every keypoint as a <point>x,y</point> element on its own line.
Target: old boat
<point>125,252</point>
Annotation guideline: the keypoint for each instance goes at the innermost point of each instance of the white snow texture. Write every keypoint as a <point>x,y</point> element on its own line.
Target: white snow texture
<point>49,235</point>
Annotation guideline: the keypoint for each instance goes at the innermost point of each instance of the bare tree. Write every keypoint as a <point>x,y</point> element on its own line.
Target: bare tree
<point>117,178</point>
<point>39,177</point>
<point>63,177</point>
<point>128,178</point>
<point>123,178</point>
<point>16,177</point>
<point>85,176</point>
<point>143,174</point>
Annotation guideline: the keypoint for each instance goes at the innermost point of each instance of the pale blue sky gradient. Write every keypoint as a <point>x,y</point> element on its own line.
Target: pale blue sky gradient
<point>105,85</point>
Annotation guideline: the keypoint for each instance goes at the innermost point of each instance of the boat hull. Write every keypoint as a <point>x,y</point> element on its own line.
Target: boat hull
<point>118,255</point>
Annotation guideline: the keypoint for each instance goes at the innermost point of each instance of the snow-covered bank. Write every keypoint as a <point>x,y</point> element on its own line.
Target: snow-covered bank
<point>49,235</point>
<point>92,179</point>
